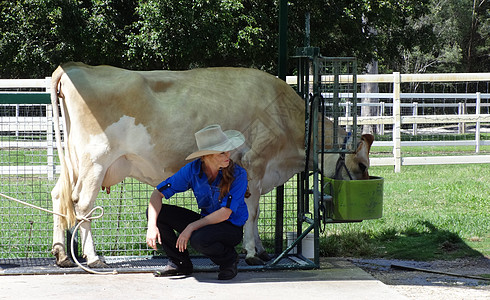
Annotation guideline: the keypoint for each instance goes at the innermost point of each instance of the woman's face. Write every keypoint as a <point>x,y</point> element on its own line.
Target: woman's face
<point>220,160</point>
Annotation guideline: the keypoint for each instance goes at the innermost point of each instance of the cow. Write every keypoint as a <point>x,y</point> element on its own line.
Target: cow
<point>120,123</point>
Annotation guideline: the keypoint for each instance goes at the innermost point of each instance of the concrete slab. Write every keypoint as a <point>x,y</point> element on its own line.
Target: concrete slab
<point>337,279</point>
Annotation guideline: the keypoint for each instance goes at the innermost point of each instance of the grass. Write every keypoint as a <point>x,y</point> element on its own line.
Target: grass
<point>429,212</point>
<point>430,137</point>
<point>384,151</point>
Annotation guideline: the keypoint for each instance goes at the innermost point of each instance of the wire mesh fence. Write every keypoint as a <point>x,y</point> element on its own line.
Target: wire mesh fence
<point>24,232</point>
<point>28,160</point>
<point>29,164</point>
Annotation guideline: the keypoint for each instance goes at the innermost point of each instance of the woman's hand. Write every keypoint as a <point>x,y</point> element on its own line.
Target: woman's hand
<point>184,237</point>
<point>154,207</point>
<point>153,236</point>
<point>218,216</point>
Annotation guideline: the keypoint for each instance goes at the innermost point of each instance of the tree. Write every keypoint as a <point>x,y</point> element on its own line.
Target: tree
<point>460,40</point>
<point>411,35</point>
<point>185,34</point>
<point>30,36</point>
<point>38,35</point>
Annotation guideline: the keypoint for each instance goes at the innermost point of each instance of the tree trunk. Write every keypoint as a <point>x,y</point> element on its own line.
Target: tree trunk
<point>367,111</point>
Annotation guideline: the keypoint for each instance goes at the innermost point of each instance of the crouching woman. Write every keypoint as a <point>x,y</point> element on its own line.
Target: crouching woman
<point>220,187</point>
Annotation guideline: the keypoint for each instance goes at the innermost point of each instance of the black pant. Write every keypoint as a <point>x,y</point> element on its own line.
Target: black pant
<point>216,241</point>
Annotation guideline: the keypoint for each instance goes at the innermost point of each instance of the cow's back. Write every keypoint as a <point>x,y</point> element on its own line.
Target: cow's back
<point>172,105</point>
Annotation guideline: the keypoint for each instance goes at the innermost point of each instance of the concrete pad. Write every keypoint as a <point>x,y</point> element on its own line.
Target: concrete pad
<point>337,279</point>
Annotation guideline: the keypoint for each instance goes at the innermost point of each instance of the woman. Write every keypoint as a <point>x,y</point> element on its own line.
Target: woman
<point>219,186</point>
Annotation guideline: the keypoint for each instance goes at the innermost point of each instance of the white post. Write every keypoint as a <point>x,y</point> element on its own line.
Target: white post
<point>348,108</point>
<point>460,112</point>
<point>50,142</point>
<point>49,134</point>
<point>381,127</point>
<point>397,122</point>
<point>477,127</point>
<point>463,112</point>
<point>17,113</point>
<point>414,113</point>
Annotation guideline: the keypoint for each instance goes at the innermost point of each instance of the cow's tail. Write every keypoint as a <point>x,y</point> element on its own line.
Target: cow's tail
<point>66,204</point>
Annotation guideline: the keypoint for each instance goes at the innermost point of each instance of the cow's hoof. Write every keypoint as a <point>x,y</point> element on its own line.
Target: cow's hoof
<point>66,263</point>
<point>264,256</point>
<point>254,261</point>
<point>98,264</point>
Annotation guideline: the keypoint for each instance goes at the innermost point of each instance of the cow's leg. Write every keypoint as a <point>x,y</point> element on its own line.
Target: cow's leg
<point>88,247</point>
<point>251,228</point>
<point>58,249</point>
<point>86,192</point>
<point>259,247</point>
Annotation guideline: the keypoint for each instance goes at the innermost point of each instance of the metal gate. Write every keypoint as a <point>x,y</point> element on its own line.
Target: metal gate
<point>321,82</point>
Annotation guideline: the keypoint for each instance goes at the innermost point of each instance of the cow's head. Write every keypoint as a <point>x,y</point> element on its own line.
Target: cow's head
<point>354,165</point>
<point>358,163</point>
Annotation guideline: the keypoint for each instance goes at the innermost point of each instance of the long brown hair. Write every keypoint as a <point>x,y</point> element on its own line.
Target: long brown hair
<point>227,180</point>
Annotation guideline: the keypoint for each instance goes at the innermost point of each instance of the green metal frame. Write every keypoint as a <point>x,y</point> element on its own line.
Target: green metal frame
<point>25,98</point>
<point>323,96</point>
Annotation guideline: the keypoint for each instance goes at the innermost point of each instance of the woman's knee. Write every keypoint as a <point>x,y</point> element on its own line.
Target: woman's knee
<point>199,241</point>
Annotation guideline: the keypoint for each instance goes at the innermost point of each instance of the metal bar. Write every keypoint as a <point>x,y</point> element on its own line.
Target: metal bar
<point>316,148</point>
<point>279,230</point>
<point>25,98</point>
<point>335,105</point>
<point>282,68</point>
<point>293,244</point>
<point>283,39</point>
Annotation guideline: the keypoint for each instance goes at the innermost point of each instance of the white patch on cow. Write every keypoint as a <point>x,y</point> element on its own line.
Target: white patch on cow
<point>125,136</point>
<point>98,145</point>
<point>129,136</point>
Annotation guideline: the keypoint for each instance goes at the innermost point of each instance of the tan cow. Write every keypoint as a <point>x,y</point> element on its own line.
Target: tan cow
<point>121,123</point>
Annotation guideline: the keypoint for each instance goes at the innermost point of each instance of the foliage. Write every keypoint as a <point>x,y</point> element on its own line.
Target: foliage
<point>461,31</point>
<point>406,36</point>
<point>184,34</point>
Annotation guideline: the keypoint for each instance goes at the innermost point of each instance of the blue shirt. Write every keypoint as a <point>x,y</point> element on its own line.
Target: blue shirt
<point>207,195</point>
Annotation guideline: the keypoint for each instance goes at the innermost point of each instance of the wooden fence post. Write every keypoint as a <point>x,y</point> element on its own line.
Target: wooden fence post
<point>396,122</point>
<point>50,142</point>
<point>477,126</point>
<point>381,127</point>
<point>49,134</point>
<point>414,113</point>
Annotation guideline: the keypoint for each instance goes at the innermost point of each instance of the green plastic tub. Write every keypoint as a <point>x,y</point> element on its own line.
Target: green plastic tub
<point>355,200</point>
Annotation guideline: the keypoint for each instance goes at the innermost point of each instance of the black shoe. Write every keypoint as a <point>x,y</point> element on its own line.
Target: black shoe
<point>229,272</point>
<point>172,269</point>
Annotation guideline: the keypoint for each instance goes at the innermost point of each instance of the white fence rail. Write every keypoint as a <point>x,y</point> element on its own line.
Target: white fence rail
<point>396,120</point>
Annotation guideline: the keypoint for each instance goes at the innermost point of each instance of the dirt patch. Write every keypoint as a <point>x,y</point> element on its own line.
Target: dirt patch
<point>426,285</point>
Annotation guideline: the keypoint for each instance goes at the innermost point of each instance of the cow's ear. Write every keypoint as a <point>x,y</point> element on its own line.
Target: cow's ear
<point>368,138</point>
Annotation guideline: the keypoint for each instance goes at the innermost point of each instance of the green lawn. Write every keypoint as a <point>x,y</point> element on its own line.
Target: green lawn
<point>429,212</point>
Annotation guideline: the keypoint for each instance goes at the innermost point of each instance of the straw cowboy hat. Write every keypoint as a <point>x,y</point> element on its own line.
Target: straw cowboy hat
<point>212,140</point>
